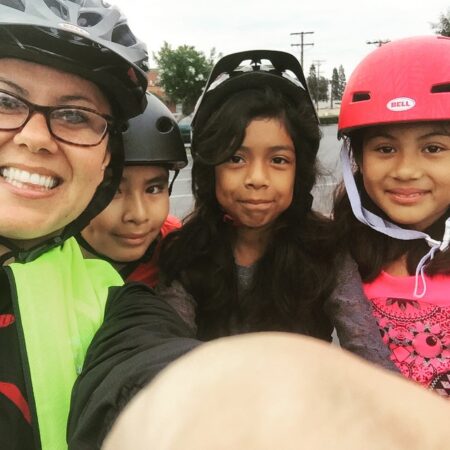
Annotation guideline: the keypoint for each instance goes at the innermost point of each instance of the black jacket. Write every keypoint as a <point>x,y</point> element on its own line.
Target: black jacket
<point>140,335</point>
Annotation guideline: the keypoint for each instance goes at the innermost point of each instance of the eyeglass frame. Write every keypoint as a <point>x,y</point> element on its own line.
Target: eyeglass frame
<point>47,110</point>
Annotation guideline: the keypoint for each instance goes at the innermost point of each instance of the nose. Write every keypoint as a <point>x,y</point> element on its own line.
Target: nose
<point>256,176</point>
<point>135,210</point>
<point>36,136</point>
<point>407,166</point>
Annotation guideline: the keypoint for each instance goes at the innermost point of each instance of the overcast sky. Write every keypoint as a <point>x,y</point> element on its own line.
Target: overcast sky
<point>341,27</point>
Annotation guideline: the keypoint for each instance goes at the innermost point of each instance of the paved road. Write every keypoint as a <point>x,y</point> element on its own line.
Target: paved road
<point>182,202</point>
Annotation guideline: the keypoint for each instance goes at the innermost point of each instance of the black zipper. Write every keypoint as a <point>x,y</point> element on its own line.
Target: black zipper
<point>24,359</point>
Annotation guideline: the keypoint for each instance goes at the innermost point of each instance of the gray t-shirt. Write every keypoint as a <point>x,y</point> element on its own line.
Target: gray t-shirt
<point>348,309</point>
<point>185,304</point>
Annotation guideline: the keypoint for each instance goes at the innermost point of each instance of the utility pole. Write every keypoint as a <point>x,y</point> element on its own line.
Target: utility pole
<point>302,43</point>
<point>331,95</point>
<point>379,42</point>
<point>317,63</point>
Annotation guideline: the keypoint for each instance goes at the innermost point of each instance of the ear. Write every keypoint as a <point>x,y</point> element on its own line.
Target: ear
<point>106,160</point>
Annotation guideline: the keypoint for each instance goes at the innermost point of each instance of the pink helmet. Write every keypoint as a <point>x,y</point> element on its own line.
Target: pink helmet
<point>403,81</point>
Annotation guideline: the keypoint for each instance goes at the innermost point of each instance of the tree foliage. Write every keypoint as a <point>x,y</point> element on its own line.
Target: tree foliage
<point>338,82</point>
<point>183,73</point>
<point>335,91</point>
<point>342,80</point>
<point>443,26</point>
<point>318,86</point>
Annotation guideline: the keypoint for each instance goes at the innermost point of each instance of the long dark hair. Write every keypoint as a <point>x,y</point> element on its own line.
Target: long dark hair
<point>372,250</point>
<point>293,277</point>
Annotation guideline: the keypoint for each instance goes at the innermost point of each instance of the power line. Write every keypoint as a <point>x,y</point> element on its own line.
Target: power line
<point>302,43</point>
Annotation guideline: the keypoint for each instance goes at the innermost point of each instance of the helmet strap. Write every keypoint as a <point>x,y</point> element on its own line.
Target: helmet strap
<point>173,181</point>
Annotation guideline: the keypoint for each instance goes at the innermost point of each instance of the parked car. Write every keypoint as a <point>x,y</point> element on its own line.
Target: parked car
<point>185,128</point>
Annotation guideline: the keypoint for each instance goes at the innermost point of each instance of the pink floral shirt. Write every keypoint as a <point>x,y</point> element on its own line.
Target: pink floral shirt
<point>417,331</point>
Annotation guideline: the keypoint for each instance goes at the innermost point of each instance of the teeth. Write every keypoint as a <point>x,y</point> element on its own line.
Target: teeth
<point>19,178</point>
<point>34,178</point>
<point>17,183</point>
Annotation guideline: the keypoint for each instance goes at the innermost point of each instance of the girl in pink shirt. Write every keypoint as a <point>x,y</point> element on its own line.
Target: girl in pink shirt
<point>393,218</point>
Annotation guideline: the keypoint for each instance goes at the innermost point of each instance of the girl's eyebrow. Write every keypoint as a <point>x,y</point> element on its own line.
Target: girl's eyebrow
<point>436,132</point>
<point>274,148</point>
<point>277,148</point>
<point>18,89</point>
<point>158,179</point>
<point>378,134</point>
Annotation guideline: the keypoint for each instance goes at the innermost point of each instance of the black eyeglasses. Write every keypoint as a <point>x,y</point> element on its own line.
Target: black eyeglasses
<point>74,125</point>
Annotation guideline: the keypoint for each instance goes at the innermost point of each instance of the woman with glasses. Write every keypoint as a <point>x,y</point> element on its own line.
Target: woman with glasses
<point>66,85</point>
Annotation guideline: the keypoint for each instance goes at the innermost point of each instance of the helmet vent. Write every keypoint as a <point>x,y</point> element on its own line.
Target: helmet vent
<point>164,125</point>
<point>440,88</point>
<point>122,35</point>
<point>16,4</point>
<point>361,97</point>
<point>88,19</point>
<point>57,8</point>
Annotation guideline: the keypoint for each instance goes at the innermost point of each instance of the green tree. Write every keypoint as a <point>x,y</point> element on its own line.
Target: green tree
<point>183,73</point>
<point>342,80</point>
<point>318,86</point>
<point>312,82</point>
<point>335,86</point>
<point>323,89</point>
<point>443,26</point>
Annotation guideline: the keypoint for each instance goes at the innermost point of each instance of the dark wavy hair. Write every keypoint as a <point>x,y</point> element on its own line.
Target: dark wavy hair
<point>294,275</point>
<point>372,250</point>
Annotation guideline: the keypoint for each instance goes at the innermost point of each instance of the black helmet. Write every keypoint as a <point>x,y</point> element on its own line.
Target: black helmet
<point>153,138</point>
<point>252,69</point>
<point>87,37</point>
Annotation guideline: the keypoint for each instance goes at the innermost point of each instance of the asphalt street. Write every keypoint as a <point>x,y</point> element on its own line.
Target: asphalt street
<point>182,201</point>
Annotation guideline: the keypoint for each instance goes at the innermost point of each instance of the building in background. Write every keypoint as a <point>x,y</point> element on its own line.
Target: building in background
<point>155,88</point>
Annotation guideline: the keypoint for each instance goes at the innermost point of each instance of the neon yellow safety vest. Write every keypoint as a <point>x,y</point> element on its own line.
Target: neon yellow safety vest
<point>59,306</point>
